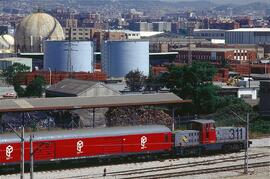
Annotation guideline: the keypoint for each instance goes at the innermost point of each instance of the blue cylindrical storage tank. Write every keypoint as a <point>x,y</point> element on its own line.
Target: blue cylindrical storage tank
<point>120,57</point>
<point>58,53</point>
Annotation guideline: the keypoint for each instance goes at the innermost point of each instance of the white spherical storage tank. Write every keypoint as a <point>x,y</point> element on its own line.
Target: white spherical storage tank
<point>74,56</point>
<point>120,57</point>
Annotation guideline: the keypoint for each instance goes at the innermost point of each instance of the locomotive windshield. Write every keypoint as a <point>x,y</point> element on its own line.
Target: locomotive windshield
<point>193,126</point>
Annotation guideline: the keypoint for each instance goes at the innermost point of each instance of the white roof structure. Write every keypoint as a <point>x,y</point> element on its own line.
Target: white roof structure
<point>210,30</point>
<point>149,33</point>
<point>61,103</point>
<point>250,30</point>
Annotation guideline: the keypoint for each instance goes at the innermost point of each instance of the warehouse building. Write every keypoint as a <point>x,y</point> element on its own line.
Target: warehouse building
<point>83,88</point>
<point>248,36</point>
<point>73,87</point>
<point>209,34</point>
<point>216,54</point>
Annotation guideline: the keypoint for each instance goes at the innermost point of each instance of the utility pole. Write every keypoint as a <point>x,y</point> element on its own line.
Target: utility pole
<point>21,136</point>
<point>246,140</point>
<point>22,153</point>
<point>246,147</point>
<point>31,157</point>
<point>69,52</point>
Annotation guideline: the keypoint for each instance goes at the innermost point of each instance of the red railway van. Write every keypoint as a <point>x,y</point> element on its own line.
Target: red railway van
<point>71,144</point>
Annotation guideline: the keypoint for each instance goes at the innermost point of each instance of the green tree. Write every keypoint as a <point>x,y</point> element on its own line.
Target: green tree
<point>227,107</point>
<point>152,83</point>
<point>193,82</point>
<point>135,80</point>
<point>36,87</point>
<point>19,90</point>
<point>11,73</point>
<point>224,63</point>
<point>12,77</point>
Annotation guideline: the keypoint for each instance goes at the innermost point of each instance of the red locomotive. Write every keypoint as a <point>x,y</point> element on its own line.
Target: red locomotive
<point>119,141</point>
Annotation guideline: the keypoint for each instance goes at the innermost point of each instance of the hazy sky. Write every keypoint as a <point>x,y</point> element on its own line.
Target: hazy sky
<point>227,1</point>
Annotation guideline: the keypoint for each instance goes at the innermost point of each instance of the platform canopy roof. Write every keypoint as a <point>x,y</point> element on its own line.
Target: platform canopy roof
<point>69,103</point>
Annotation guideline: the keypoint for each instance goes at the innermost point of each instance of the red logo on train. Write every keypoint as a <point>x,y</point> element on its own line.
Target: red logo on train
<point>143,142</point>
<point>79,147</point>
<point>9,150</point>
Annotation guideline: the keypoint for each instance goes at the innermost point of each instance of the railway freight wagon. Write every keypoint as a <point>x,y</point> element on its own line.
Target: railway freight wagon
<point>84,143</point>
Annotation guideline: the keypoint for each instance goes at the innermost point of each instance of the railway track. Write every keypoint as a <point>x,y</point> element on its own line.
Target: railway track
<point>143,171</point>
<point>200,171</point>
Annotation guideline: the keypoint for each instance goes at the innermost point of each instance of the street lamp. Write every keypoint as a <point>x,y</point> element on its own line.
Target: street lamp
<point>50,75</point>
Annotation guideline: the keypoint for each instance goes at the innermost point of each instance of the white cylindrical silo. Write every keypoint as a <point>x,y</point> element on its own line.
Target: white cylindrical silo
<point>120,57</point>
<point>75,56</point>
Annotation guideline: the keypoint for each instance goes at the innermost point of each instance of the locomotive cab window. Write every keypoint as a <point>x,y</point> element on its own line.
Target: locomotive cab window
<point>212,126</point>
<point>194,126</point>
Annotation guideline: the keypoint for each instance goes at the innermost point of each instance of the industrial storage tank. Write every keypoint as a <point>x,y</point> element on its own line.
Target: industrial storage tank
<point>120,57</point>
<point>70,56</point>
<point>34,29</point>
